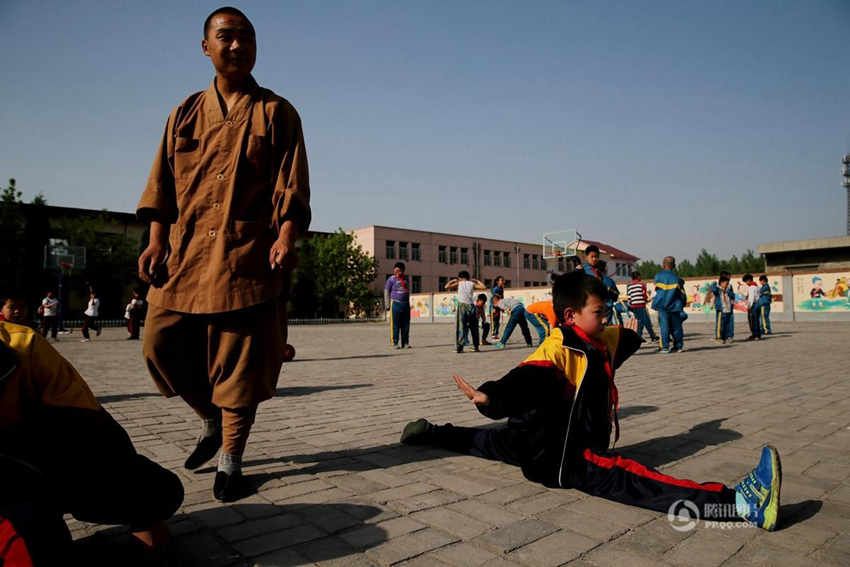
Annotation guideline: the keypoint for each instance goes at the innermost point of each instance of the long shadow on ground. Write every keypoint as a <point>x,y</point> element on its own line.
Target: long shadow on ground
<point>662,450</point>
<point>293,391</point>
<point>352,357</point>
<point>302,530</point>
<point>125,397</point>
<point>652,453</point>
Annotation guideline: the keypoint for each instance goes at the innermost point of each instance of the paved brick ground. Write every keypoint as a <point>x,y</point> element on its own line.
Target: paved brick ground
<point>333,486</point>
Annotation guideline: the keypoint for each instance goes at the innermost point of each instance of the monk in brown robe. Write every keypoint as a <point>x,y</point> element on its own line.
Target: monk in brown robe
<point>227,196</point>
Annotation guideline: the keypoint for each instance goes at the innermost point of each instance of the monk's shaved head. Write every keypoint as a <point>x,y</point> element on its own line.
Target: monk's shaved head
<point>228,11</point>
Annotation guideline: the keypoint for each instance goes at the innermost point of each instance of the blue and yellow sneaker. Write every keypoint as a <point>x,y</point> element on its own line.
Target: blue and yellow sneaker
<point>499,345</point>
<point>757,496</point>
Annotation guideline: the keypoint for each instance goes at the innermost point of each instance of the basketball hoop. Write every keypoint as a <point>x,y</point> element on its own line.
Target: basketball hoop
<point>560,243</point>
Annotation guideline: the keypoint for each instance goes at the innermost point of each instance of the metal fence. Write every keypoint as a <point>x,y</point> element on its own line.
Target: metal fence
<point>117,323</point>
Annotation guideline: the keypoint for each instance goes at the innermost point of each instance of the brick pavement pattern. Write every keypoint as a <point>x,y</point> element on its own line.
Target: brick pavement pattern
<point>334,486</point>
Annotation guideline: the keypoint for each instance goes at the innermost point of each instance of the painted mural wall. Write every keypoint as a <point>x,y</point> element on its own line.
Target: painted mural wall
<point>444,305</point>
<point>697,288</point>
<point>822,292</point>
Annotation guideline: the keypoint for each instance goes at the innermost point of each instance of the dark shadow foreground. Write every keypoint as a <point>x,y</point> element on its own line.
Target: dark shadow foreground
<point>301,534</point>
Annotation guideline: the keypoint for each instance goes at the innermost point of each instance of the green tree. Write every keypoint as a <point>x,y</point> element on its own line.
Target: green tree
<point>333,277</point>
<point>648,269</point>
<point>706,263</point>
<point>10,194</point>
<point>110,263</point>
<point>39,200</point>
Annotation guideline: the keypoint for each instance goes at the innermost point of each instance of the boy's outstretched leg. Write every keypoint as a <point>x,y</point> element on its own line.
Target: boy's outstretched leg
<point>755,499</point>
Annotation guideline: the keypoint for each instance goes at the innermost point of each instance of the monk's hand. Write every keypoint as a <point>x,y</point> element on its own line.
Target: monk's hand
<point>477,397</point>
<point>150,260</point>
<point>632,324</point>
<point>282,254</point>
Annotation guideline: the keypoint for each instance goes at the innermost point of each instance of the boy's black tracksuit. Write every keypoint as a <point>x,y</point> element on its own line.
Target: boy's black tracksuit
<point>561,407</point>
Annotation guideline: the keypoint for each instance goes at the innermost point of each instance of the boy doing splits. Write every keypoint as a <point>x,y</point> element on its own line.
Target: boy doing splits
<point>227,195</point>
<point>561,406</point>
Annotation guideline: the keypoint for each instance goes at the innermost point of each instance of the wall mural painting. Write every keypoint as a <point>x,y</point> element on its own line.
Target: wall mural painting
<point>822,292</point>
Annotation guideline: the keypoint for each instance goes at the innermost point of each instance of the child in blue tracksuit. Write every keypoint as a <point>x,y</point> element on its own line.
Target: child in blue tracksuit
<point>611,314</point>
<point>669,302</point>
<point>724,307</point>
<point>765,299</point>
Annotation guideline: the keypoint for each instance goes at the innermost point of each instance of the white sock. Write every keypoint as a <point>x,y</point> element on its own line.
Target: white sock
<point>230,464</point>
<point>210,427</point>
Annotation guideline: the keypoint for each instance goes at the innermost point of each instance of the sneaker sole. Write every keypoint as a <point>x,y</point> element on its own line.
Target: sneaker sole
<point>771,512</point>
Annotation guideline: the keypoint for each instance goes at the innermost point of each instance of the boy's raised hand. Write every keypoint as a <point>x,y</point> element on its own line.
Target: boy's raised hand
<point>632,324</point>
<point>475,396</point>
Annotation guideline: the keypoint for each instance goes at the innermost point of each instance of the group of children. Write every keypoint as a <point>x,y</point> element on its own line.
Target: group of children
<point>472,314</point>
<point>14,308</point>
<point>759,298</point>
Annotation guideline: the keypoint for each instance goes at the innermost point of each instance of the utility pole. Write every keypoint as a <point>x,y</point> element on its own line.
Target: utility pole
<point>845,171</point>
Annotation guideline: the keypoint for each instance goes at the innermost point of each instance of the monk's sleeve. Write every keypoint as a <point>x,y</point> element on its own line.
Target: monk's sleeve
<point>291,198</point>
<point>159,200</point>
<point>55,381</point>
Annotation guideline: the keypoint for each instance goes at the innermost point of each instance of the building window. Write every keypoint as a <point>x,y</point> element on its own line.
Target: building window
<point>535,265</point>
<point>507,283</point>
<point>441,254</point>
<point>453,255</point>
<point>526,284</point>
<point>390,249</point>
<point>507,262</point>
<point>488,282</point>
<point>464,256</point>
<point>416,284</point>
<point>542,263</point>
<point>414,252</point>
<point>487,261</point>
<point>402,250</point>
<point>526,262</point>
<point>560,264</point>
<point>443,281</point>
<point>497,258</point>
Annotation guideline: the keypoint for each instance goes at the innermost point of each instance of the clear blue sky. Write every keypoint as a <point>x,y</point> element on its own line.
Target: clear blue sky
<point>658,126</point>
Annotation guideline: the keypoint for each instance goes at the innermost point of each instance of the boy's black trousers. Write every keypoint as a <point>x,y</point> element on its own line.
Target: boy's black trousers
<point>606,475</point>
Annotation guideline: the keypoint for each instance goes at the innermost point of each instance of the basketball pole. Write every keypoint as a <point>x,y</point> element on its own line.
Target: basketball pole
<point>60,326</point>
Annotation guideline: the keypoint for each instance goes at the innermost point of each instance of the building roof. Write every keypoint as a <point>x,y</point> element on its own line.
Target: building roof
<point>611,251</point>
<point>810,244</point>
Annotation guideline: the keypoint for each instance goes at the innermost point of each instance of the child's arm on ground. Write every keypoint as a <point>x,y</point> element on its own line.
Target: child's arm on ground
<point>522,389</point>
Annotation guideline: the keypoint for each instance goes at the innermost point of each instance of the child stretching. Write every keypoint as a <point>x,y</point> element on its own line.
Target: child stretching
<point>561,406</point>
<point>517,315</point>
